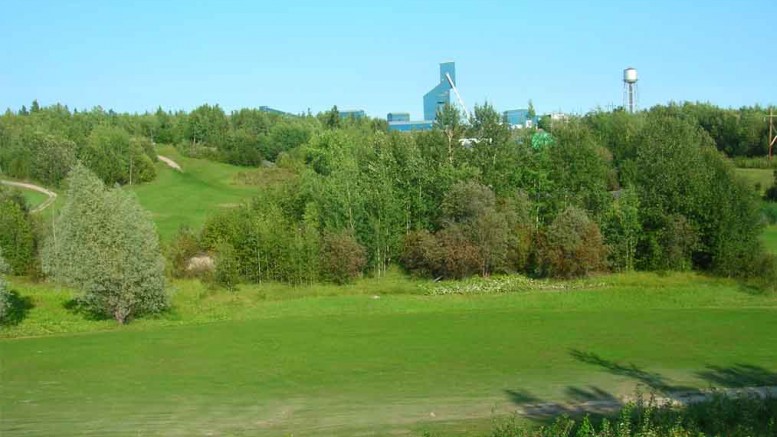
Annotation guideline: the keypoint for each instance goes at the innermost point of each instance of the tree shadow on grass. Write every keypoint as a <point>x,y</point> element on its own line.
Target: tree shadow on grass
<point>593,400</point>
<point>738,375</point>
<point>19,307</point>
<point>78,307</point>
<point>652,380</point>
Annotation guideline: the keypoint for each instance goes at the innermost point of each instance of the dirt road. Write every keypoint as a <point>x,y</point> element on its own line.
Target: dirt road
<point>170,163</point>
<point>45,204</point>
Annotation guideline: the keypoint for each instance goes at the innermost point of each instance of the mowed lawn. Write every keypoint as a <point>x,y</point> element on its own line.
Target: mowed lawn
<point>186,198</point>
<point>255,363</point>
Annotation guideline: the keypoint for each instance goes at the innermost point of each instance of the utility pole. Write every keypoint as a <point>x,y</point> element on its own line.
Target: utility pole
<point>772,138</point>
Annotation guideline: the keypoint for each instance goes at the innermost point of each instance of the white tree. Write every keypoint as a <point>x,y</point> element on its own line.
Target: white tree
<point>105,244</point>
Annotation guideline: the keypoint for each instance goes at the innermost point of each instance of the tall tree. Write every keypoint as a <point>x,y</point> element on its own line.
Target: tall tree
<point>104,244</point>
<point>531,112</point>
<point>17,233</point>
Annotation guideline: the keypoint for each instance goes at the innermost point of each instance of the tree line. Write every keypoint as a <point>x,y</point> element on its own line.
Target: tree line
<point>43,143</point>
<point>608,191</point>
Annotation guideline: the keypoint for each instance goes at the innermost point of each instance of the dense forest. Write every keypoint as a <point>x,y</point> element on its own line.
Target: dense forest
<point>607,191</point>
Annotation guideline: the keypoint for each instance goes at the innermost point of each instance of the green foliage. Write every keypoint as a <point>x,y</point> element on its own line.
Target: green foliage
<point>183,247</point>
<point>18,239</point>
<point>622,229</point>
<point>207,124</point>
<point>769,212</point>
<point>52,158</point>
<point>771,192</point>
<point>573,246</point>
<point>104,244</point>
<point>227,272</point>
<point>478,235</point>
<point>331,118</point>
<point>691,201</point>
<point>116,158</point>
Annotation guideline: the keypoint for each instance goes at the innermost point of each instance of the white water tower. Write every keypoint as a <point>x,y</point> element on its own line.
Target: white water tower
<point>630,89</point>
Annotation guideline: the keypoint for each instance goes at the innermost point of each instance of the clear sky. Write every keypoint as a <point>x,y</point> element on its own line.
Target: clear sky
<point>383,55</point>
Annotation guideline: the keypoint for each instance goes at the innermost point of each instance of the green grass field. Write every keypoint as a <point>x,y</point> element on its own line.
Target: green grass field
<point>277,360</point>
<point>187,198</point>
<point>34,198</point>
<point>769,238</point>
<point>757,175</point>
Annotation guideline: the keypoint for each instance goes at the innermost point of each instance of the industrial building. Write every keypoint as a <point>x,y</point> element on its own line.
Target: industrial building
<point>270,110</point>
<point>353,113</point>
<point>519,118</point>
<point>439,96</point>
<point>435,99</point>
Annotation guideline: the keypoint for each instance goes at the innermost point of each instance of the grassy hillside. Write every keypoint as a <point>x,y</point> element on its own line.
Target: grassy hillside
<point>188,197</point>
<point>770,238</point>
<point>34,198</point>
<point>752,176</point>
<point>254,362</point>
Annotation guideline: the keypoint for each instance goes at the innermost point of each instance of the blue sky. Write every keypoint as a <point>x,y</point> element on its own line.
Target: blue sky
<point>382,56</point>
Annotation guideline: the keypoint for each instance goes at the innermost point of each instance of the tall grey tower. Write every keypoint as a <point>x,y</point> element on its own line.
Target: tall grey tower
<point>630,94</point>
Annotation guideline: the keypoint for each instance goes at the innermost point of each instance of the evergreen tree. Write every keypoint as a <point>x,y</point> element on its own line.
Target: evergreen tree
<point>17,234</point>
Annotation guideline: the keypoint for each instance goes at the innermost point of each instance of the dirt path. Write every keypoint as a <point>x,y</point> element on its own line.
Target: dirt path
<point>170,163</point>
<point>45,204</point>
<point>612,404</point>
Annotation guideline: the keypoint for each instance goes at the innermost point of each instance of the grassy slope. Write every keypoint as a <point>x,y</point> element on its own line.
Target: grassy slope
<point>347,364</point>
<point>757,175</point>
<point>34,198</point>
<point>770,238</point>
<point>187,198</point>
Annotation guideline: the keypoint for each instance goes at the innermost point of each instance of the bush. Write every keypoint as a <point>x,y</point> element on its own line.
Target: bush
<point>769,212</point>
<point>342,258</point>
<point>5,296</point>
<point>422,254</point>
<point>572,246</point>
<point>180,251</point>
<point>449,254</point>
<point>460,257</point>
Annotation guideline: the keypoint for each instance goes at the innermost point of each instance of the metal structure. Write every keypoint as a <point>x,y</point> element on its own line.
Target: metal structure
<point>458,96</point>
<point>772,138</point>
<point>630,91</point>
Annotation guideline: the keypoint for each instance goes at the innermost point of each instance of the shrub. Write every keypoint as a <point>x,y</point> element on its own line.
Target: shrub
<point>460,257</point>
<point>572,246</point>
<point>342,258</point>
<point>180,251</point>
<point>769,212</point>
<point>5,296</point>
<point>422,254</point>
